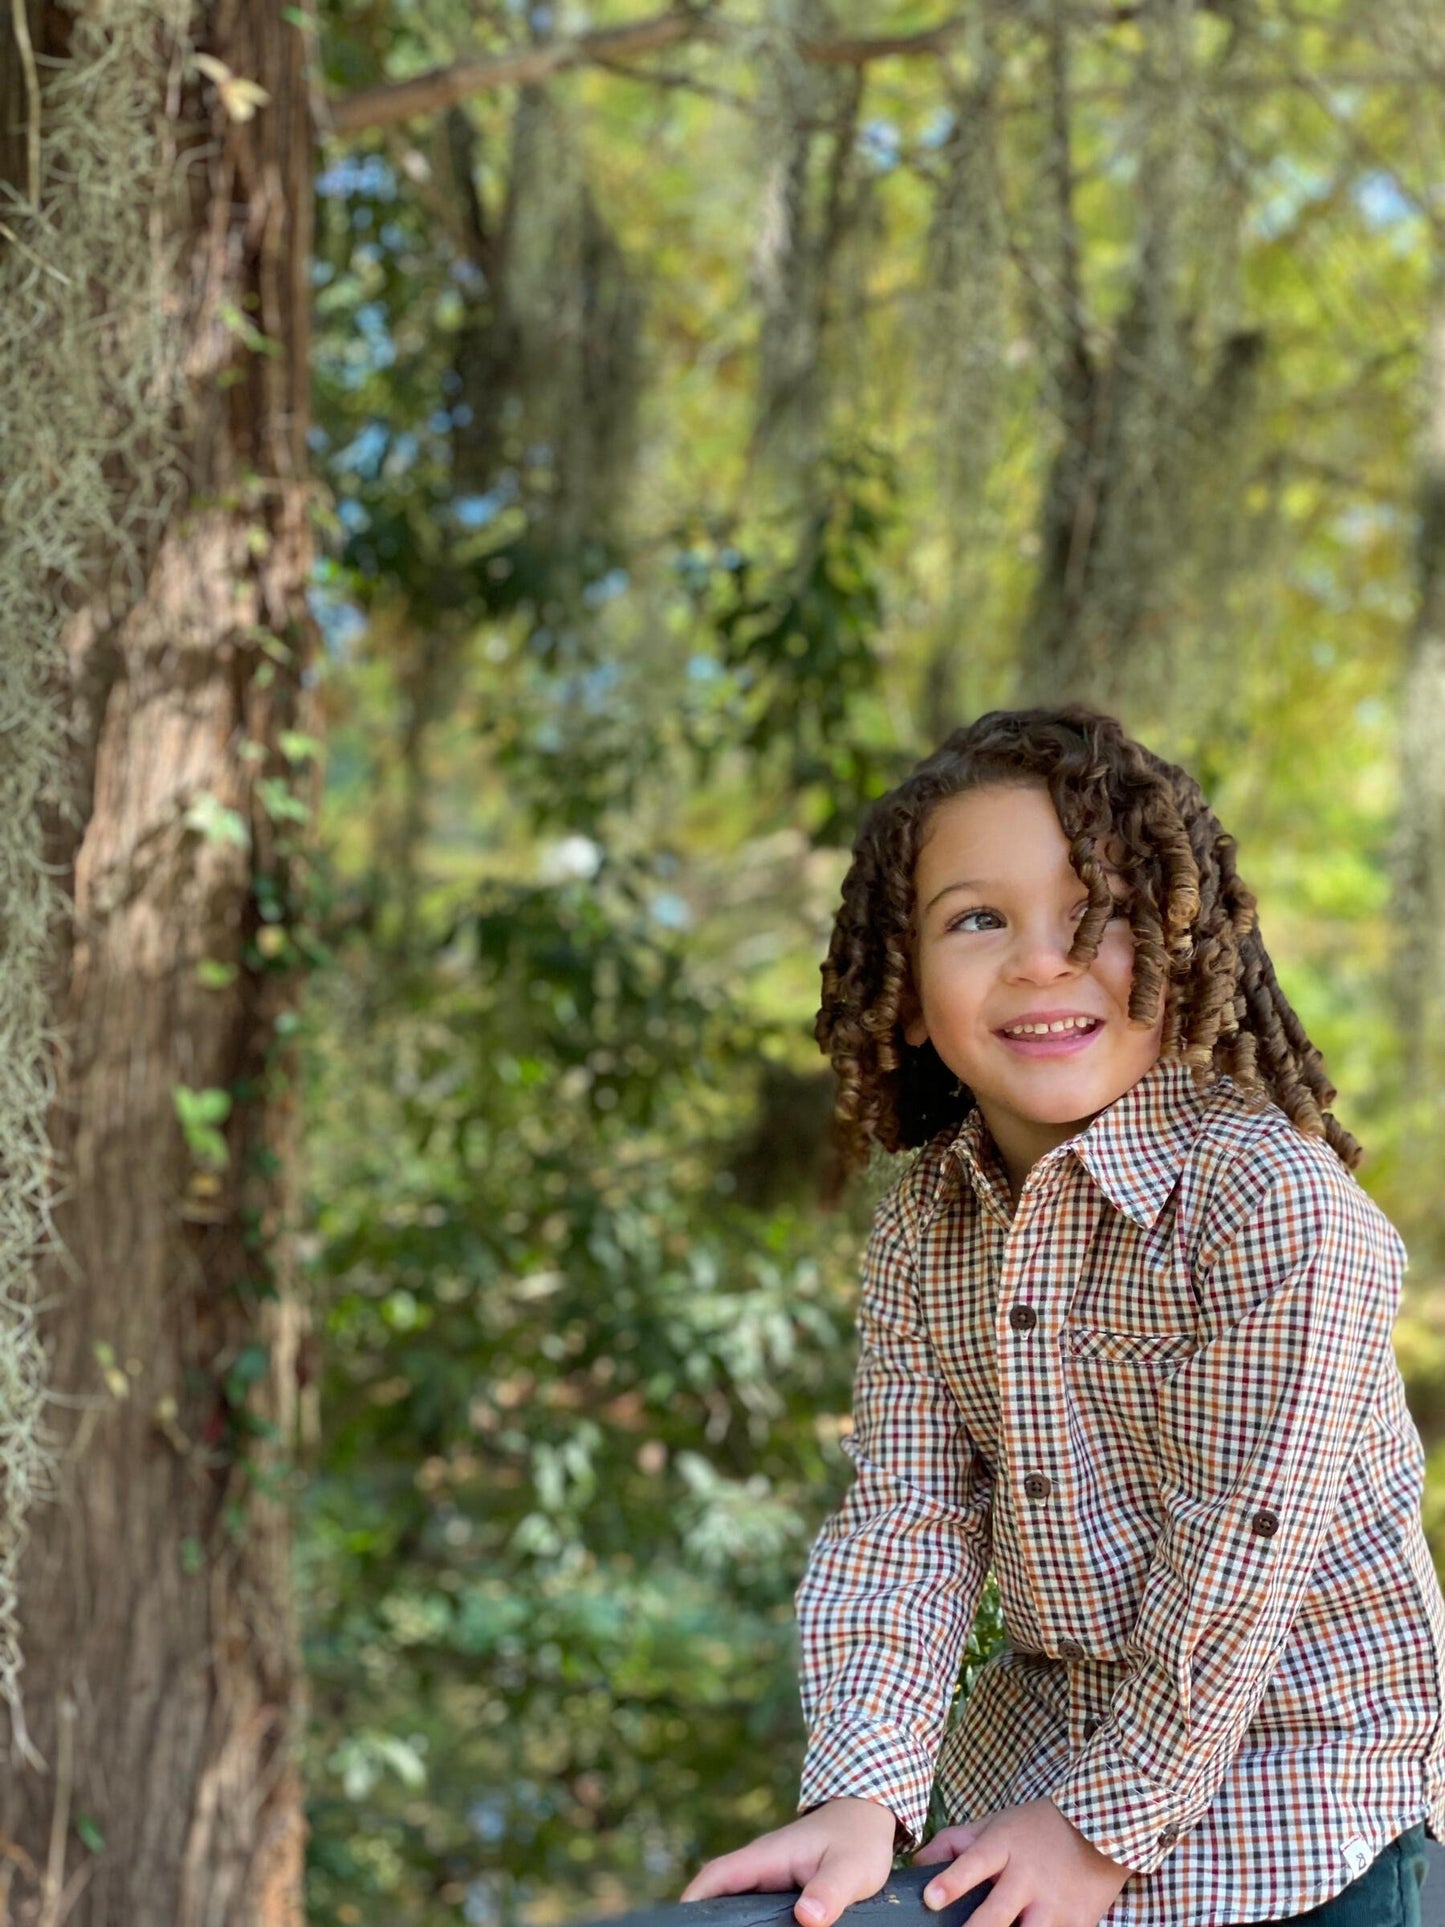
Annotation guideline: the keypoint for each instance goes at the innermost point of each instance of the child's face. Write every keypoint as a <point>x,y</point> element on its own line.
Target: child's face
<point>996,907</point>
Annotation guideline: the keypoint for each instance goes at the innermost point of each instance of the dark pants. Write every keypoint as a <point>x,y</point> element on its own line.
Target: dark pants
<point>1387,1893</point>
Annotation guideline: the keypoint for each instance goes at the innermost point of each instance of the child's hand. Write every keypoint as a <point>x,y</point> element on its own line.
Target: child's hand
<point>1044,1872</point>
<point>840,1852</point>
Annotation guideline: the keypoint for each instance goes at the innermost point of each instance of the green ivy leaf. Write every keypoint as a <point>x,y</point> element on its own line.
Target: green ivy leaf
<point>89,1833</point>
<point>216,823</point>
<point>200,1112</point>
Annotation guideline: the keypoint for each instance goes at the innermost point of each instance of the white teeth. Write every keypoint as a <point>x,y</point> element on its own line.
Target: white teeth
<point>1044,1030</point>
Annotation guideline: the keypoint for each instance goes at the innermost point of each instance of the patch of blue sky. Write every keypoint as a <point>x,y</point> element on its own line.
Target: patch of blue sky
<point>467,275</point>
<point>671,910</point>
<point>1383,202</point>
<point>482,1906</point>
<point>606,588</point>
<point>703,669</point>
<point>363,454</point>
<point>1285,187</point>
<point>1363,521</point>
<point>369,174</point>
<point>341,623</point>
<point>372,320</point>
<point>937,128</point>
<point>1322,583</point>
<point>477,511</point>
<point>1379,198</point>
<point>372,324</point>
<point>593,687</point>
<point>352,515</point>
<point>488,1818</point>
<point>881,143</point>
<point>401,454</point>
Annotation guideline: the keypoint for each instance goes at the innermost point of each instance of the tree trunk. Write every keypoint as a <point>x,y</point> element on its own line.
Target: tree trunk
<point>1140,485</point>
<point>1419,963</point>
<point>161,1677</point>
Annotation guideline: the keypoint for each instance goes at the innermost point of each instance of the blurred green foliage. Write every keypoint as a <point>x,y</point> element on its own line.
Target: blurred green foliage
<point>591,782</point>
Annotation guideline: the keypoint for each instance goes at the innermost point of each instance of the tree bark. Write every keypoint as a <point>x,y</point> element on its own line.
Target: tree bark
<point>1419,962</point>
<point>161,1677</point>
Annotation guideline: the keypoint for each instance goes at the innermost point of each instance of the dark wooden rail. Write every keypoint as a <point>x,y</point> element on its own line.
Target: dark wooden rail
<point>900,1904</point>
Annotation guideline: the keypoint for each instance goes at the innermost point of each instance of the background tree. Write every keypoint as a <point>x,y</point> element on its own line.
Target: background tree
<point>1065,350</point>
<point>154,255</point>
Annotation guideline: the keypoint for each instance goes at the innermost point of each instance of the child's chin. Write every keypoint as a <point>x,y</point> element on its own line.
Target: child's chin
<point>1076,1097</point>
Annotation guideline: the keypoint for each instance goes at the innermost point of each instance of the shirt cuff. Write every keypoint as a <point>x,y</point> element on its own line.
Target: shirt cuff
<point>853,1757</point>
<point>1120,1810</point>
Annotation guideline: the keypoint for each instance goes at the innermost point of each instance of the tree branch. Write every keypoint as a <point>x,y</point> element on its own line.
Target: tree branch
<point>443,87</point>
<point>446,86</point>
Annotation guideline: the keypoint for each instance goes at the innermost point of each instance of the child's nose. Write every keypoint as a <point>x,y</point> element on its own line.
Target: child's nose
<point>1041,953</point>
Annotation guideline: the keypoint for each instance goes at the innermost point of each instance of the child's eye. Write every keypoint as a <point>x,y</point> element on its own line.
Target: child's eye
<point>963,921</point>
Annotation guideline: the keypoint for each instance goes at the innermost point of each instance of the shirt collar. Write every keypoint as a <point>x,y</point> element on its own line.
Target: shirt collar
<point>1134,1150</point>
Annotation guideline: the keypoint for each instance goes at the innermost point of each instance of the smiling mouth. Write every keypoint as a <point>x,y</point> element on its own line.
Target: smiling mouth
<point>1061,1027</point>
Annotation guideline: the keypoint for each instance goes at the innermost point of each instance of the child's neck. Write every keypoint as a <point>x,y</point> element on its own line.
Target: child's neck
<point>1021,1142</point>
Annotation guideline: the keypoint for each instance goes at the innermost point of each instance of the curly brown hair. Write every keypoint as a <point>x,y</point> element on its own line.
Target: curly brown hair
<point>1196,934</point>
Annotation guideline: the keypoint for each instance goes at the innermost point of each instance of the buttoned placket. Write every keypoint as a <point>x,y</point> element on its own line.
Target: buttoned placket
<point>1033,1303</point>
<point>1029,1312</point>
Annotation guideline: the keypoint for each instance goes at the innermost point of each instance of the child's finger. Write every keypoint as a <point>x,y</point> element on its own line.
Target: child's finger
<point>750,1870</point>
<point>979,1863</point>
<point>836,1885</point>
<point>948,1844</point>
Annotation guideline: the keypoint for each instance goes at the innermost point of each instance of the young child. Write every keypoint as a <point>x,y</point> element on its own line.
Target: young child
<point>1125,1326</point>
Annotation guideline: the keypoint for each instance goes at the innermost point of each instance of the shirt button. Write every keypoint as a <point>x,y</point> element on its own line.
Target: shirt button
<point>1168,1836</point>
<point>1265,1523</point>
<point>1037,1485</point>
<point>1023,1318</point>
<point>1091,1727</point>
<point>1070,1649</point>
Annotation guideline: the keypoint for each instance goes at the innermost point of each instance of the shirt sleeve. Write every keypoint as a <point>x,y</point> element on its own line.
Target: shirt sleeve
<point>893,1581</point>
<point>1257,1432</point>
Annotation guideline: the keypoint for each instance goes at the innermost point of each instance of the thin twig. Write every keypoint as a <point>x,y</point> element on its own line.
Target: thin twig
<point>14,239</point>
<point>54,1891</point>
<point>32,99</point>
<point>669,77</point>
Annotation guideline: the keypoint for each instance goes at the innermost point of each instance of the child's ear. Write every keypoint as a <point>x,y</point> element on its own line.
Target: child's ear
<point>911,1018</point>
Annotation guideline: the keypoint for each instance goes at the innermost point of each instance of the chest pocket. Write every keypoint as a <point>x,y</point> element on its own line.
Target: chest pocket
<point>1147,1352</point>
<point>1114,1379</point>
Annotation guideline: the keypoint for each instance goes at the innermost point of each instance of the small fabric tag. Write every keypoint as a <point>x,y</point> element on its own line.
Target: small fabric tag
<point>1357,1856</point>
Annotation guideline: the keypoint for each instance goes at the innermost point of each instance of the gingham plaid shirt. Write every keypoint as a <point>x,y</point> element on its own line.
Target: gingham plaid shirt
<point>1160,1399</point>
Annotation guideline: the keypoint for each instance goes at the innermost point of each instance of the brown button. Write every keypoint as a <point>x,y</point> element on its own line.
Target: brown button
<point>1037,1485</point>
<point>1023,1318</point>
<point>1265,1523</point>
<point>1070,1649</point>
<point>1091,1727</point>
<point>1168,1836</point>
